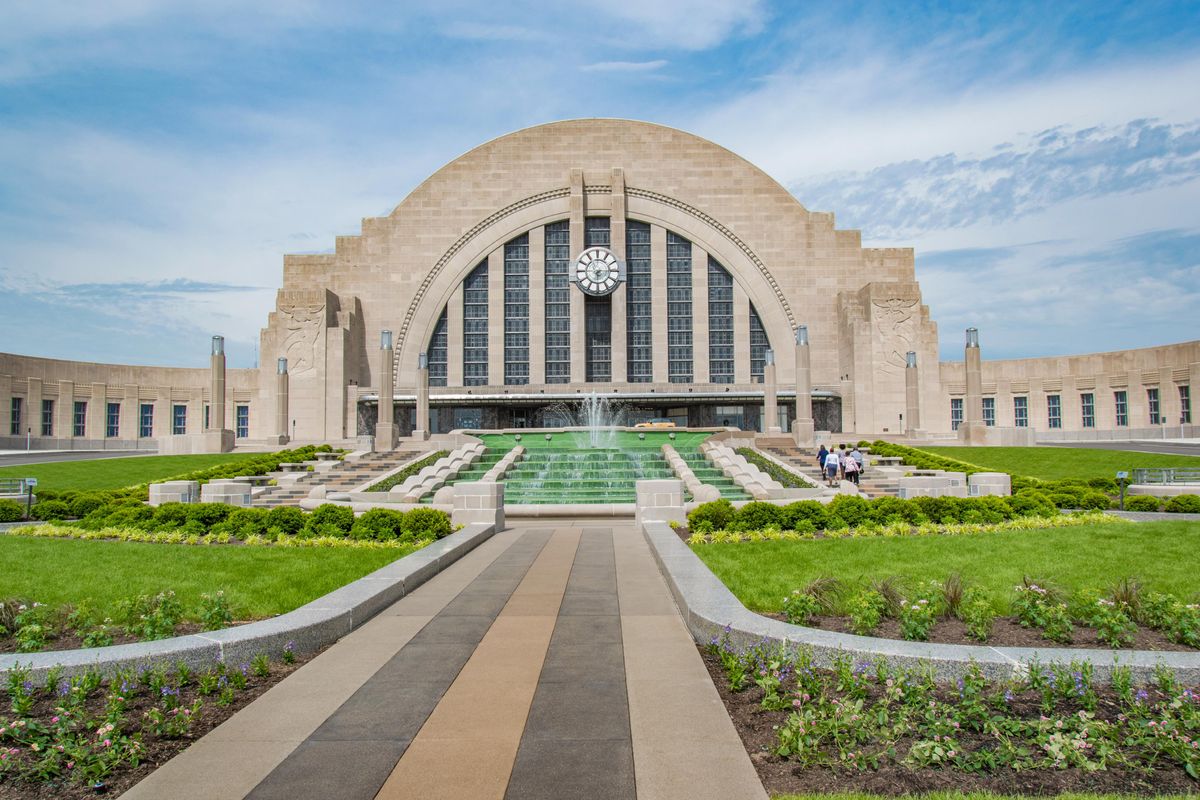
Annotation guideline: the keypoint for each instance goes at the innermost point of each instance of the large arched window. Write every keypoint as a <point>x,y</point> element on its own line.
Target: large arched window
<point>558,302</point>
<point>679,309</point>
<point>437,354</point>
<point>638,303</point>
<point>516,311</point>
<point>475,326</point>
<point>720,323</point>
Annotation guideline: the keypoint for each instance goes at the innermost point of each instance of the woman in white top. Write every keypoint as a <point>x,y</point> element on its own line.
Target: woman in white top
<point>832,462</point>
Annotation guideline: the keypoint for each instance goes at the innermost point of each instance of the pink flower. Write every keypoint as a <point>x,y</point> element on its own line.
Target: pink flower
<point>54,720</point>
<point>108,742</point>
<point>952,753</point>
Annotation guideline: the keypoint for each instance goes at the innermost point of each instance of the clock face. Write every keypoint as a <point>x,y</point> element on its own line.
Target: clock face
<point>596,271</point>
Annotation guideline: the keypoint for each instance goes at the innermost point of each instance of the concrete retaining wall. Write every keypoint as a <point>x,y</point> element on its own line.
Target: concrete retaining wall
<point>708,607</point>
<point>308,628</point>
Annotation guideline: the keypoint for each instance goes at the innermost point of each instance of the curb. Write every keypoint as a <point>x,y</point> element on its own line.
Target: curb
<point>308,628</point>
<point>709,608</point>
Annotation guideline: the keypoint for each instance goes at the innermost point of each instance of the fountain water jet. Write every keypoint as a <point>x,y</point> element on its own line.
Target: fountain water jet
<point>600,417</point>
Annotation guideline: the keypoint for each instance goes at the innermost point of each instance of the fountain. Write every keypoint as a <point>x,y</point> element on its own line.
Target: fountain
<point>596,414</point>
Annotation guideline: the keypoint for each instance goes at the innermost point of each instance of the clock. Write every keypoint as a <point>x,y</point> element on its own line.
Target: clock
<point>597,271</point>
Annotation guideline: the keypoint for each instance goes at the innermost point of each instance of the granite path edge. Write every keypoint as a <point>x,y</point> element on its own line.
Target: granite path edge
<point>308,628</point>
<point>710,609</point>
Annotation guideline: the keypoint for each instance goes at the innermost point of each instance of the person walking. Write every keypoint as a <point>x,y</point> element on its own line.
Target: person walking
<point>857,455</point>
<point>832,463</point>
<point>850,469</point>
<point>821,458</point>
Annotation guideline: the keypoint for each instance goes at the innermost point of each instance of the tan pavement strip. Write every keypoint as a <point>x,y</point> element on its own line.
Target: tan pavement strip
<point>684,744</point>
<point>234,757</point>
<point>479,721</point>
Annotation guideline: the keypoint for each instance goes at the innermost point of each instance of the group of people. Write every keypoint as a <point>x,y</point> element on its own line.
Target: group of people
<point>840,464</point>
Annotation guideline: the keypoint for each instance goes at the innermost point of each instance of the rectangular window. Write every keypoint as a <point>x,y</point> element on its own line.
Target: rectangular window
<point>558,302</point>
<point>679,309</point>
<point>1185,405</point>
<point>207,417</point>
<point>1152,402</point>
<point>242,420</point>
<point>79,426</point>
<point>178,419</point>
<point>597,232</point>
<point>1087,408</point>
<point>989,411</point>
<point>112,420</point>
<point>597,329</point>
<point>47,418</point>
<point>759,345</point>
<point>639,362</point>
<point>475,327</point>
<point>1121,405</point>
<point>516,311</point>
<point>1021,412</point>
<point>1054,411</point>
<point>146,420</point>
<point>438,352</point>
<point>14,425</point>
<point>720,323</point>
<point>956,412</point>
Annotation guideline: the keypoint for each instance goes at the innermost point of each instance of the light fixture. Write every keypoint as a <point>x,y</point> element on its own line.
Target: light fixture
<point>385,340</point>
<point>422,361</point>
<point>910,359</point>
<point>281,366</point>
<point>218,345</point>
<point>972,337</point>
<point>769,357</point>
<point>802,335</point>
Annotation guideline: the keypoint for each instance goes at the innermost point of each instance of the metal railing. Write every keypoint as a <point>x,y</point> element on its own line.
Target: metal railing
<point>12,486</point>
<point>1167,475</point>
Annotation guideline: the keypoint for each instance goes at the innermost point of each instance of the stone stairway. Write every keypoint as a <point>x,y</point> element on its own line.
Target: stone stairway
<point>804,461</point>
<point>343,478</point>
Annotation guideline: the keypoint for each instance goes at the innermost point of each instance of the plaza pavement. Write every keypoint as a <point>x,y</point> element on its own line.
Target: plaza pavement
<point>550,662</point>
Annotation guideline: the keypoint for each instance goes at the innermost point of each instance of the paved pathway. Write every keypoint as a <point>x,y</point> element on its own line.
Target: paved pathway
<point>551,662</point>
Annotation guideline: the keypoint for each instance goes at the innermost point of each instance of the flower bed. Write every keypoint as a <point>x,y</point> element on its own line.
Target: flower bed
<point>85,736</point>
<point>866,726</point>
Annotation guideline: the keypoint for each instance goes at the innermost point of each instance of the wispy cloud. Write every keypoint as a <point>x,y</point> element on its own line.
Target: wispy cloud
<point>625,66</point>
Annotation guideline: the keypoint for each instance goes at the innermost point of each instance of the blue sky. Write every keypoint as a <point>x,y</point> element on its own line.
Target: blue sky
<point>158,158</point>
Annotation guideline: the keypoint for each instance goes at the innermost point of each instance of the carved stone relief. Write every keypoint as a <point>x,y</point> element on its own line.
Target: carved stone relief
<point>302,326</point>
<point>896,325</point>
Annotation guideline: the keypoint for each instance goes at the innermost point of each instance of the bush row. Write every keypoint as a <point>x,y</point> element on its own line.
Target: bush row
<point>851,511</point>
<point>786,477</point>
<point>216,518</point>
<point>412,469</point>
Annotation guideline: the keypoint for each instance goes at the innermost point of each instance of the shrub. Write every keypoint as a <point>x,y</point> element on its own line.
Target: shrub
<point>11,511</point>
<point>214,611</point>
<point>1183,504</point>
<point>1157,610</point>
<point>886,510</point>
<point>171,515</point>
<point>804,513</point>
<point>942,510</point>
<point>916,619</point>
<point>84,504</point>
<point>718,515</point>
<point>756,516</point>
<point>852,508</point>
<point>208,514</point>
<point>426,523</point>
<point>1032,503</point>
<point>1185,627</point>
<point>329,516</point>
<point>50,510</point>
<point>866,610</point>
<point>1113,625</point>
<point>287,519</point>
<point>1094,501</point>
<point>1142,502</point>
<point>245,522</point>
<point>380,524</point>
<point>152,617</point>
<point>800,607</point>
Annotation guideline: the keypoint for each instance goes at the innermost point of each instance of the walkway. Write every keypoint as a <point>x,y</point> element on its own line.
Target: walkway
<point>551,662</point>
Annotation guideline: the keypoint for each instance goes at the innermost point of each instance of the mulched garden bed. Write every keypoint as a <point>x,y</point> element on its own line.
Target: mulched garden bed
<point>1006,632</point>
<point>156,750</point>
<point>757,728</point>
<point>71,640</point>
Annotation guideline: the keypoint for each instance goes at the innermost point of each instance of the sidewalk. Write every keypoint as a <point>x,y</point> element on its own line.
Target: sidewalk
<point>551,662</point>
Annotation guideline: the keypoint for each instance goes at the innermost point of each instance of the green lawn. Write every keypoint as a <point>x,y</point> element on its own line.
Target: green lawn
<point>258,581</point>
<point>1053,463</point>
<point>1162,555</point>
<point>117,473</point>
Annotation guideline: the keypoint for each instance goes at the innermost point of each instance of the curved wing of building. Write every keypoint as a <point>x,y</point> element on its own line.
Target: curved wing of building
<point>618,257</point>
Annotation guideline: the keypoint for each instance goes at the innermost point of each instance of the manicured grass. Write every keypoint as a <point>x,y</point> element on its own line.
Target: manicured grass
<point>117,473</point>
<point>258,581</point>
<point>1054,463</point>
<point>1162,555</point>
<point>968,796</point>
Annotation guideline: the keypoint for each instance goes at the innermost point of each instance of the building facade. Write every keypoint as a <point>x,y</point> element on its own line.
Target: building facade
<point>609,256</point>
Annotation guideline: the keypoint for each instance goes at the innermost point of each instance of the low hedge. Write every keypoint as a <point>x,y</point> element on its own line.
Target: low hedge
<point>328,520</point>
<point>412,469</point>
<point>852,511</point>
<point>786,477</point>
<point>11,511</point>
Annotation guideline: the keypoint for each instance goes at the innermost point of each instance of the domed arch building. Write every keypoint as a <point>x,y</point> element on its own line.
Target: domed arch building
<point>705,264</point>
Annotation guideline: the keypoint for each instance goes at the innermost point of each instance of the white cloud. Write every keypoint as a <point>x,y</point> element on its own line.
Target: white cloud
<point>625,66</point>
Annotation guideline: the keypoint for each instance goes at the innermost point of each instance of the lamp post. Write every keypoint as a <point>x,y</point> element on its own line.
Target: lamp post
<point>421,423</point>
<point>912,395</point>
<point>281,400</point>
<point>770,400</point>
<point>385,429</point>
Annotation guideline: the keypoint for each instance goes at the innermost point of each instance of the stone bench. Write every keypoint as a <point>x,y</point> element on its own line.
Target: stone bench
<point>292,466</point>
<point>174,492</point>
<point>254,480</point>
<point>230,493</point>
<point>328,457</point>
